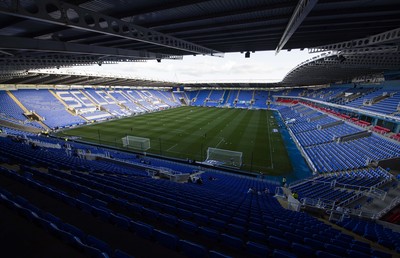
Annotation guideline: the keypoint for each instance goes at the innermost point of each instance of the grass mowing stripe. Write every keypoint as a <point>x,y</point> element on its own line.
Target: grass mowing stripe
<point>183,139</point>
<point>262,136</point>
<point>227,127</point>
<point>196,143</point>
<point>247,140</point>
<point>179,130</point>
<point>269,142</point>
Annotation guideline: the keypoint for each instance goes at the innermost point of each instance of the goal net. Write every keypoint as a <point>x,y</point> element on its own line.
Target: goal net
<point>137,143</point>
<point>221,157</point>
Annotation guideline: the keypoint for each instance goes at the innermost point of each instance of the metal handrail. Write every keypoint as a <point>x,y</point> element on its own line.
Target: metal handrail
<point>392,204</point>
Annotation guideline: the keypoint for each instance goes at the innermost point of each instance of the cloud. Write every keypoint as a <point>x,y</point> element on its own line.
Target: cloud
<point>260,66</point>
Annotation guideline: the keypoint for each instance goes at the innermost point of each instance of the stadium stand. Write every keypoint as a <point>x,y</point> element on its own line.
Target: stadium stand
<point>328,155</point>
<point>245,99</point>
<point>335,123</point>
<point>13,113</point>
<point>373,232</point>
<point>341,187</point>
<point>182,219</point>
<point>199,97</point>
<point>260,99</point>
<point>46,105</point>
<point>190,223</point>
<point>215,97</point>
<point>71,108</point>
<point>10,109</point>
<point>219,217</point>
<point>232,97</point>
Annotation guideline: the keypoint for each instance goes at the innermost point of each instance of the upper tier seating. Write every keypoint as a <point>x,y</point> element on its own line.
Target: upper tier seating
<point>200,96</point>
<point>215,98</point>
<point>48,107</point>
<point>91,104</point>
<point>260,99</point>
<point>329,156</point>
<point>9,108</point>
<point>245,97</point>
<point>386,106</point>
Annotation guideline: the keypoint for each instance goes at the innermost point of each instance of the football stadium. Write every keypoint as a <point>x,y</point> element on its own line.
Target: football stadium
<point>115,166</point>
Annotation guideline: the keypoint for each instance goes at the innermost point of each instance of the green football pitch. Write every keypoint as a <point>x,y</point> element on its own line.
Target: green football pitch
<point>187,132</point>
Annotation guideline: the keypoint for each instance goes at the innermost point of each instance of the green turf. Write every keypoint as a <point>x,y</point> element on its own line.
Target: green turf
<point>187,132</point>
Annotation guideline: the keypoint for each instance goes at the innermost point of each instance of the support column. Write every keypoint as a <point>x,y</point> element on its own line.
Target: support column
<point>396,128</point>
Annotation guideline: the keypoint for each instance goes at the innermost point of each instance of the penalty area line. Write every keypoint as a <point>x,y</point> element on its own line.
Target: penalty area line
<point>170,148</point>
<point>269,141</point>
<point>221,141</point>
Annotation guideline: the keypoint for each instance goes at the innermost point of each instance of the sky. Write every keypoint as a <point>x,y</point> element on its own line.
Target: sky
<point>263,66</point>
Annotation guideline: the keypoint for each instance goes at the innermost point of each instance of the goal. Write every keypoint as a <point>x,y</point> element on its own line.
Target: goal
<point>221,157</point>
<point>135,142</point>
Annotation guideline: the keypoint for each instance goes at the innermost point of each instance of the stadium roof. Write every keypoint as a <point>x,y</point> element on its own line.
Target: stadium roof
<point>37,34</point>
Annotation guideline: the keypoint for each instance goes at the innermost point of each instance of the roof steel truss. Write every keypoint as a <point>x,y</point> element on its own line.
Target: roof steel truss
<point>66,14</point>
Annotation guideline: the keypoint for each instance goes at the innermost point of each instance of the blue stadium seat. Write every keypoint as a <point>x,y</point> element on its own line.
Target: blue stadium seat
<point>227,221</point>
<point>74,230</point>
<point>191,249</point>
<point>209,233</point>
<point>256,236</point>
<point>99,203</point>
<point>217,223</point>
<point>386,243</point>
<point>275,232</point>
<point>99,244</point>
<point>323,254</point>
<point>150,213</point>
<point>283,254</point>
<point>20,200</point>
<point>236,230</point>
<point>239,221</point>
<point>360,248</point>
<point>84,198</point>
<point>380,254</point>
<point>302,251</point>
<point>232,241</point>
<point>200,218</point>
<point>254,226</point>
<point>121,254</point>
<point>142,229</point>
<point>215,254</point>
<point>121,221</point>
<point>292,237</point>
<point>257,249</point>
<point>166,239</point>
<point>335,249</point>
<point>94,252</point>
<point>134,207</point>
<point>184,214</point>
<point>168,219</point>
<point>279,243</point>
<point>358,254</point>
<point>346,244</point>
<point>187,226</point>
<point>315,244</point>
<point>53,219</point>
<point>103,213</point>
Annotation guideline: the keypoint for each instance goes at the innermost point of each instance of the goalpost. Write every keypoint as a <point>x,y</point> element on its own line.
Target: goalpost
<point>135,142</point>
<point>221,157</point>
